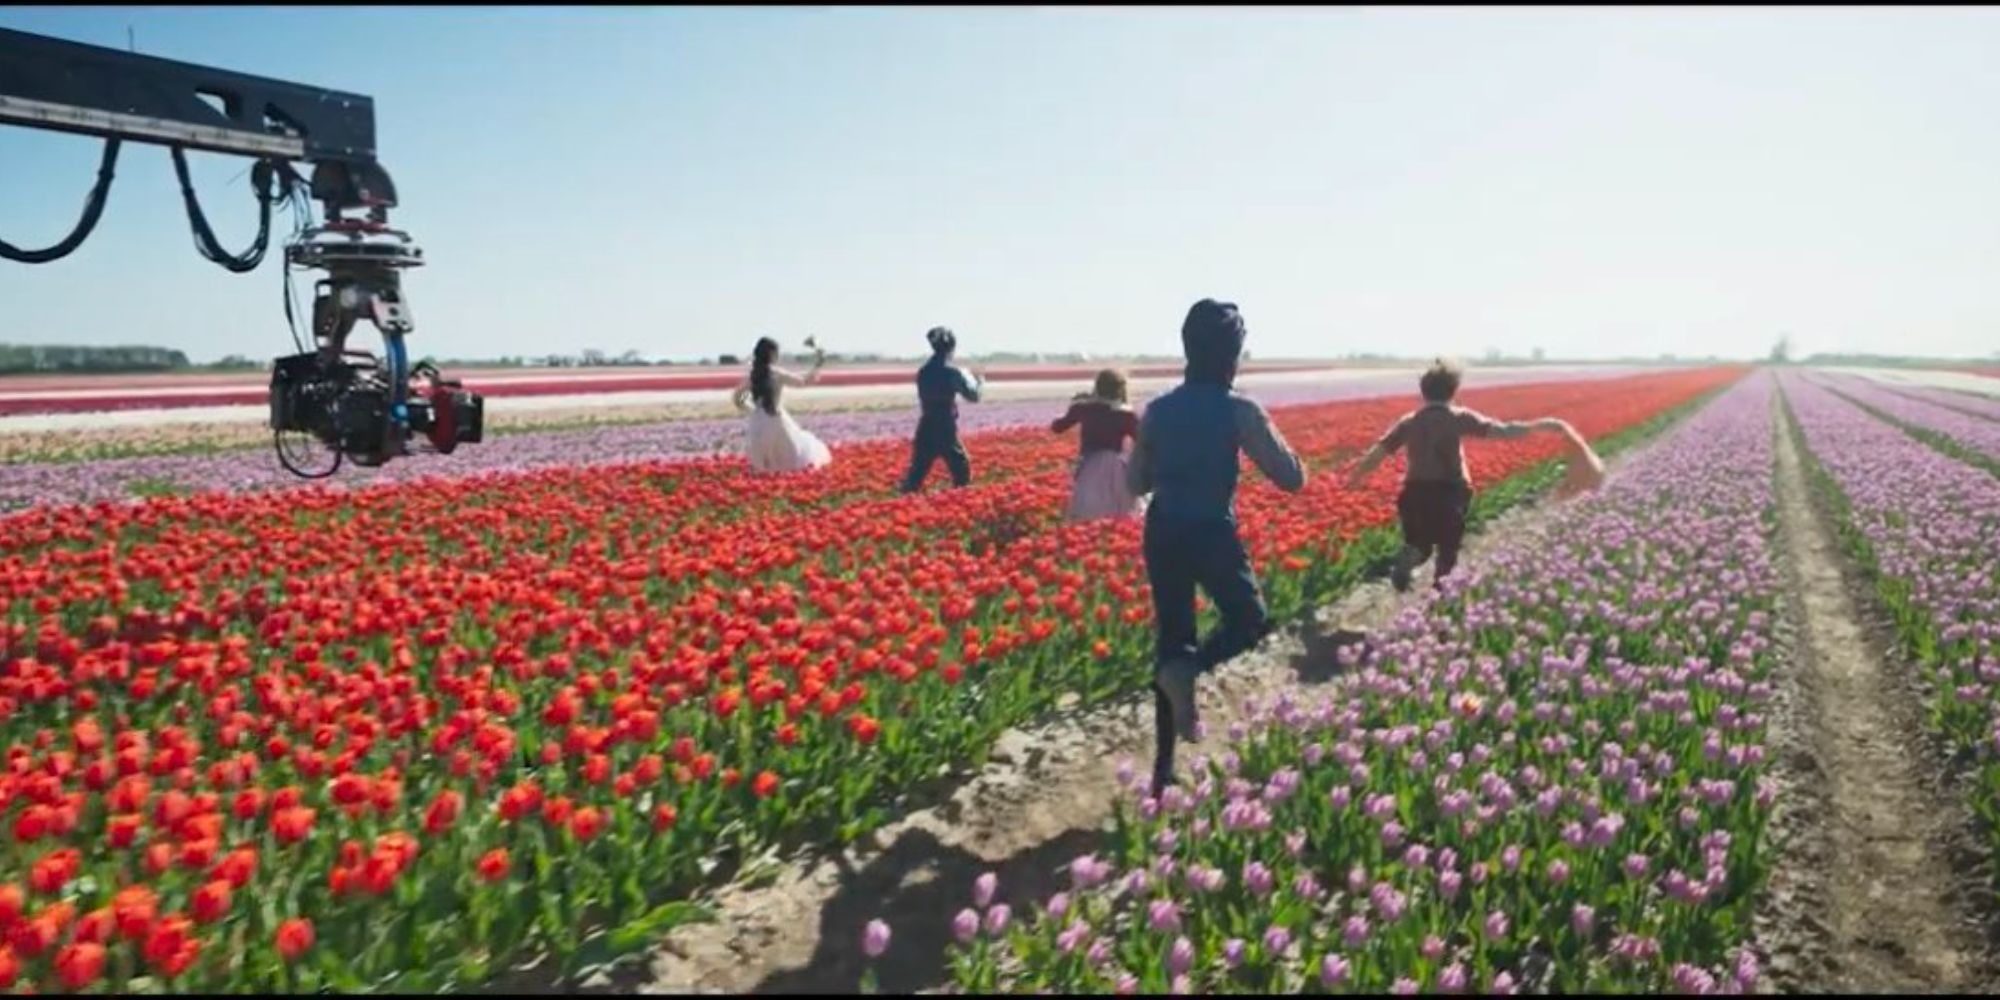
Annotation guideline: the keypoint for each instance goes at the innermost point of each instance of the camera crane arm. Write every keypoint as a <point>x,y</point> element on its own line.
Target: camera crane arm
<point>364,412</point>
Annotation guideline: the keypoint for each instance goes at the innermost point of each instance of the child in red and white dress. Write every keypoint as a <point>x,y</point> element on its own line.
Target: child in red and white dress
<point>1108,421</point>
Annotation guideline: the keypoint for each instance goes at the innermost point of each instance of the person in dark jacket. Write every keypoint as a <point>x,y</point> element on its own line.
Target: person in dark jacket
<point>1186,457</point>
<point>939,386</point>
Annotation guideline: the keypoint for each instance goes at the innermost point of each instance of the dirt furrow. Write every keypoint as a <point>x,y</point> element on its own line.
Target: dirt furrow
<point>1864,898</point>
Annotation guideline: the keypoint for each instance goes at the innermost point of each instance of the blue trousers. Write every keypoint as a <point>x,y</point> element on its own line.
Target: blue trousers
<point>1180,556</point>
<point>926,449</point>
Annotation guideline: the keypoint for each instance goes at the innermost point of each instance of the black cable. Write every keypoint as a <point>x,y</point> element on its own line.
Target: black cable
<point>204,237</point>
<point>93,208</point>
<point>292,466</point>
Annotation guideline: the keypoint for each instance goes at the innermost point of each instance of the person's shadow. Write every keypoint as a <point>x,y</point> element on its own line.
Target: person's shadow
<point>916,886</point>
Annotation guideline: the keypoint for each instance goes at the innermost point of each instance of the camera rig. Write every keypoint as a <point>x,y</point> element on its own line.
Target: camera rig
<point>353,404</point>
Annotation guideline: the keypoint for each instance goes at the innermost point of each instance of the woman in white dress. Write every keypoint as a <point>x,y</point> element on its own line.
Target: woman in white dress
<point>774,441</point>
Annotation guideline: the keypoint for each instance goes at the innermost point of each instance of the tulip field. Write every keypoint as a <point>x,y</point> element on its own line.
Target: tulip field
<point>420,729</point>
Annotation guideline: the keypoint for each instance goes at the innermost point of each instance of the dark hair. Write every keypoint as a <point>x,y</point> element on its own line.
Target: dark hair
<point>1440,381</point>
<point>760,375</point>
<point>942,341</point>
<point>1212,338</point>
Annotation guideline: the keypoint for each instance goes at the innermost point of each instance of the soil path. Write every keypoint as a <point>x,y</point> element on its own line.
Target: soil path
<point>1865,897</point>
<point>1047,796</point>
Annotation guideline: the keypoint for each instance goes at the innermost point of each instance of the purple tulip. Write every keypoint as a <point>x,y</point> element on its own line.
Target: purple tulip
<point>997,919</point>
<point>1232,952</point>
<point>1100,952</point>
<point>1332,971</point>
<point>965,926</point>
<point>1257,878</point>
<point>1058,905</point>
<point>983,888</point>
<point>1086,871</point>
<point>1276,939</point>
<point>1163,916</point>
<point>1452,979</point>
<point>1073,937</point>
<point>1449,884</point>
<point>875,939</point>
<point>1635,866</point>
<point>1305,886</point>
<point>1355,933</point>
<point>1558,872</point>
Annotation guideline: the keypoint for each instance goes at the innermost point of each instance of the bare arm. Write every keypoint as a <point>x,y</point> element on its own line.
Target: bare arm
<point>741,397</point>
<point>1379,452</point>
<point>1482,425</point>
<point>1267,448</point>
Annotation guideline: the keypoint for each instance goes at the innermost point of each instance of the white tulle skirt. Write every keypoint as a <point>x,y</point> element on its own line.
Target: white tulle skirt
<point>776,443</point>
<point>1100,489</point>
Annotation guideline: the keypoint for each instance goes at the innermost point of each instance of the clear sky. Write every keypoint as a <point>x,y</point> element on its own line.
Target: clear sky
<point>680,181</point>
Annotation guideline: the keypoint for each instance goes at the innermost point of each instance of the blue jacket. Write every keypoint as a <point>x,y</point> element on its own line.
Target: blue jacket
<point>939,384</point>
<point>1186,452</point>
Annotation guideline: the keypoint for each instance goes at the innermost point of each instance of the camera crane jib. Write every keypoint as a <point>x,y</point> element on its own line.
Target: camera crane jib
<point>357,406</point>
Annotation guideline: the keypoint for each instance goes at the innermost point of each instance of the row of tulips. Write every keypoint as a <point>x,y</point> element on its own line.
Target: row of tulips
<point>39,483</point>
<point>1923,527</point>
<point>1957,431</point>
<point>1547,778</point>
<point>1976,404</point>
<point>399,737</point>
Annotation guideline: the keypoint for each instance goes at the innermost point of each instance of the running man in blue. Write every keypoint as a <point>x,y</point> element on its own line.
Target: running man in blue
<point>1186,457</point>
<point>939,386</point>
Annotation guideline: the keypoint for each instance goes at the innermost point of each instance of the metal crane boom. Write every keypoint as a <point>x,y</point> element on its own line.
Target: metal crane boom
<point>364,411</point>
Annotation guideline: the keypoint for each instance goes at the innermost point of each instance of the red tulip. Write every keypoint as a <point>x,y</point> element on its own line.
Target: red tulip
<point>135,908</point>
<point>443,812</point>
<point>294,938</point>
<point>79,965</point>
<point>495,865</point>
<point>587,823</point>
<point>210,903</point>
<point>292,825</point>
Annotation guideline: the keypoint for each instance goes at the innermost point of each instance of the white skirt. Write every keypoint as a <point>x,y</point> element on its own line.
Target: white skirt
<point>776,443</point>
<point>1100,489</point>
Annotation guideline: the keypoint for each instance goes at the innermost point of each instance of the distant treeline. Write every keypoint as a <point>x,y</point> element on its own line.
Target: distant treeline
<point>1891,361</point>
<point>18,359</point>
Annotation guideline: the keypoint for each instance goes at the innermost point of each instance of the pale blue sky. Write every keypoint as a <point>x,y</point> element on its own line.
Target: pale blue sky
<point>680,181</point>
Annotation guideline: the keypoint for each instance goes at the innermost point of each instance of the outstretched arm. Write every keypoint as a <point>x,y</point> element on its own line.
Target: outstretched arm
<point>1068,420</point>
<point>741,397</point>
<point>1379,452</point>
<point>968,385</point>
<point>1267,448</point>
<point>1484,426</point>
